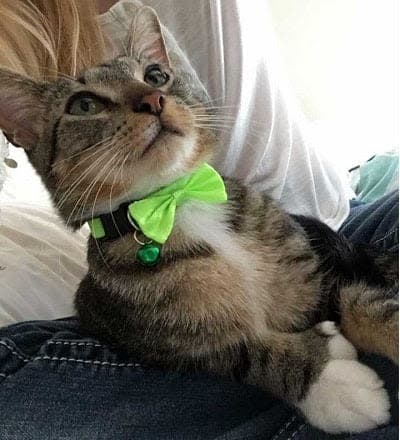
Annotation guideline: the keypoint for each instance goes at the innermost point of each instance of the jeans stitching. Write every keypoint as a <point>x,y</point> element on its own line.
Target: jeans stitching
<point>286,426</point>
<point>297,431</point>
<point>14,352</point>
<point>79,344</point>
<point>86,361</point>
<point>392,231</point>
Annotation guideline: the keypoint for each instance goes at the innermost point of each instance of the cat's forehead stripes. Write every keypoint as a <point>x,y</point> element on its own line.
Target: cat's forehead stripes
<point>115,79</point>
<point>118,70</point>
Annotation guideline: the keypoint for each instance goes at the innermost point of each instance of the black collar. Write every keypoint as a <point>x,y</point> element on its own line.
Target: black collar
<point>116,224</point>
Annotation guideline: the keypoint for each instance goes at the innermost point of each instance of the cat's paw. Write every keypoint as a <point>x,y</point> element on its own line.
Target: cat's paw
<point>347,397</point>
<point>339,347</point>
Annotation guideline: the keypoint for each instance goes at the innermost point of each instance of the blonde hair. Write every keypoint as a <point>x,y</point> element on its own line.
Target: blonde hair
<point>47,38</point>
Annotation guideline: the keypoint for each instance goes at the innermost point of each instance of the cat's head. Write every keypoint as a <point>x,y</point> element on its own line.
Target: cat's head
<point>116,133</point>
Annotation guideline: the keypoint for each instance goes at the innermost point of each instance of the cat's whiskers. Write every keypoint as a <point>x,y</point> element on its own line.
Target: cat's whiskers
<point>81,177</point>
<point>251,124</point>
<point>86,194</point>
<point>205,119</point>
<point>121,177</point>
<point>111,191</point>
<point>96,145</point>
<point>208,102</point>
<point>188,97</point>
<point>65,198</point>
<point>101,152</point>
<point>125,189</point>
<point>110,167</point>
<point>203,116</point>
<point>93,183</point>
<point>206,107</point>
<point>215,119</point>
<point>113,168</point>
<point>227,126</point>
<point>80,162</point>
<point>213,116</point>
<point>253,136</point>
<point>204,111</point>
<point>213,126</point>
<point>224,123</point>
<point>228,130</point>
<point>121,169</point>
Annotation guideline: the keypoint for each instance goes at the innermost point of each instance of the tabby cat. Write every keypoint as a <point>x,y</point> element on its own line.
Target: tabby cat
<point>242,288</point>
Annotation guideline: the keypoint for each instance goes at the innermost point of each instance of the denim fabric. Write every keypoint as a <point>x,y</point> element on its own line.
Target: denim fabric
<point>376,223</point>
<point>58,383</point>
<point>55,383</point>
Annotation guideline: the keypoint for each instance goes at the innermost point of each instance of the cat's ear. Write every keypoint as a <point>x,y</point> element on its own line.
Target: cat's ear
<point>21,109</point>
<point>146,39</point>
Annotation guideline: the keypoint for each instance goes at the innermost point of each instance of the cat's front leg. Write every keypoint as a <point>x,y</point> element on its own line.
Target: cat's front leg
<point>317,371</point>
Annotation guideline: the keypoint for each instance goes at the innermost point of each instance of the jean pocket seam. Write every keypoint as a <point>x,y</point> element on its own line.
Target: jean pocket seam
<point>76,344</point>
<point>284,428</point>
<point>386,236</point>
<point>14,352</point>
<point>300,428</point>
<point>88,361</point>
<point>22,359</point>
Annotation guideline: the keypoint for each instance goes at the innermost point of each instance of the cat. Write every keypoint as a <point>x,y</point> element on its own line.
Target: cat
<point>242,288</point>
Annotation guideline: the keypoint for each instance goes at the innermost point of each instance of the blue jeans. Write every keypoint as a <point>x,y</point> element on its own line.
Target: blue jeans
<point>58,383</point>
<point>376,223</point>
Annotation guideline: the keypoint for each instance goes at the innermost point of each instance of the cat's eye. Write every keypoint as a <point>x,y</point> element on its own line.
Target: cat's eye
<point>155,77</point>
<point>85,105</point>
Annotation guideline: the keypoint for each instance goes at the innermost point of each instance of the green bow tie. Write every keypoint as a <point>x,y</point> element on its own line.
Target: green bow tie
<point>155,214</point>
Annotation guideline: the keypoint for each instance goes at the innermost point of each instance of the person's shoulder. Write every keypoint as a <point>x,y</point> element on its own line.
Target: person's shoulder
<point>122,12</point>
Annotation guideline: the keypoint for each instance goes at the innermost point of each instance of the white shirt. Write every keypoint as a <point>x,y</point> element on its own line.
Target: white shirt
<point>231,46</point>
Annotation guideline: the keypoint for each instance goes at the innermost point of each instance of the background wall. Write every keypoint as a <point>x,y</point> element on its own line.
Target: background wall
<point>341,58</point>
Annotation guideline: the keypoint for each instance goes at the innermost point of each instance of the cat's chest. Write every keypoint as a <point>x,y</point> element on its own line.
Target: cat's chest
<point>211,224</point>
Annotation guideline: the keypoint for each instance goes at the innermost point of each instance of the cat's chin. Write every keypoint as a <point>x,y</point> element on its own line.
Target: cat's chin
<point>162,139</point>
<point>151,141</point>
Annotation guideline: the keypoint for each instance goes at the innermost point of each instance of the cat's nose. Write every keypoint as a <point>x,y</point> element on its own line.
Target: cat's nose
<point>152,103</point>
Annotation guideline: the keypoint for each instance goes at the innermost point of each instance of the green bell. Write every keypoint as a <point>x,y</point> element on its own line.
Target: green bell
<point>149,254</point>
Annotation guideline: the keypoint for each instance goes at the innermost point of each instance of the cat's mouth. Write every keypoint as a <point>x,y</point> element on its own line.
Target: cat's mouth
<point>158,132</point>
<point>151,134</point>
<point>156,135</point>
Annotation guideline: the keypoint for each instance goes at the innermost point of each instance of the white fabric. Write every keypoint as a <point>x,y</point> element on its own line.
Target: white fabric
<point>231,46</point>
<point>41,264</point>
<point>3,155</point>
<point>22,184</point>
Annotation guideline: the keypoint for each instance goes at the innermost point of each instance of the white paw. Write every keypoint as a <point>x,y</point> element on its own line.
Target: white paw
<point>347,397</point>
<point>339,346</point>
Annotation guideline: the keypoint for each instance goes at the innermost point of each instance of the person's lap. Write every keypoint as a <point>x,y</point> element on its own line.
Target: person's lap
<point>56,382</point>
<point>376,223</point>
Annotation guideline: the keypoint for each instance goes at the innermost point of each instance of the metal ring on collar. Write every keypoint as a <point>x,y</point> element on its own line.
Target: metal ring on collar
<point>131,221</point>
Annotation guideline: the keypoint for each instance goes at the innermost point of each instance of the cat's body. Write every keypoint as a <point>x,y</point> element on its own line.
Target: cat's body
<point>242,288</point>
<point>231,277</point>
<point>224,273</point>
